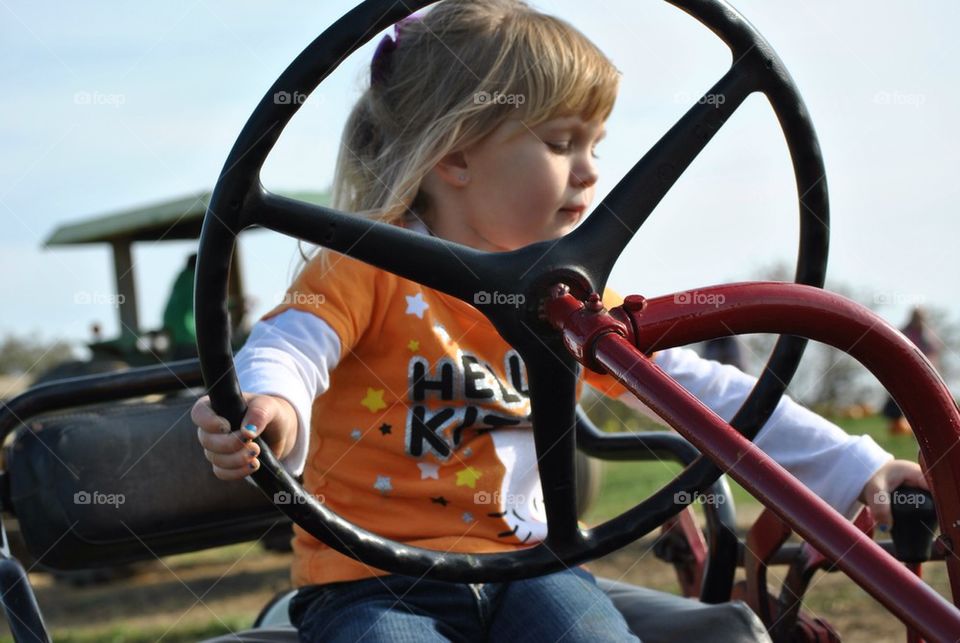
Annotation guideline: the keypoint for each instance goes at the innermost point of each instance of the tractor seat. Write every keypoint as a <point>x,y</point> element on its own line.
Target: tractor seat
<point>116,483</point>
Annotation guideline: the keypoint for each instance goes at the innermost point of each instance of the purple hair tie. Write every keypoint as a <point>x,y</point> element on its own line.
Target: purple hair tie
<point>380,65</point>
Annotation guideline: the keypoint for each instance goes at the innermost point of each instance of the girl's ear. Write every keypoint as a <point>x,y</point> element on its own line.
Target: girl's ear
<point>452,169</point>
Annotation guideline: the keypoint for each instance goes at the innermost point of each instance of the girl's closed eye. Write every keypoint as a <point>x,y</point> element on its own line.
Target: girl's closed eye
<point>564,147</point>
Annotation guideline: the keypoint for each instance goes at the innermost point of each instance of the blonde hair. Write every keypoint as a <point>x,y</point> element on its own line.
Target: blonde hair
<point>435,97</point>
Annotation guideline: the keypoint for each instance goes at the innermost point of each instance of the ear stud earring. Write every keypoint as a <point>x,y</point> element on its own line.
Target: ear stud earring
<point>463,178</point>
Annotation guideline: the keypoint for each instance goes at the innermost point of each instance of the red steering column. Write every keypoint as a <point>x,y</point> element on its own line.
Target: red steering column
<point>620,341</point>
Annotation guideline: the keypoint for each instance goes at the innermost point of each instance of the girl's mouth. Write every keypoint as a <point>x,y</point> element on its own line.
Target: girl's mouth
<point>577,210</point>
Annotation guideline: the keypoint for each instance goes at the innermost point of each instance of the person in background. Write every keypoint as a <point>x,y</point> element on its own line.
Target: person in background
<point>917,331</point>
<point>178,320</point>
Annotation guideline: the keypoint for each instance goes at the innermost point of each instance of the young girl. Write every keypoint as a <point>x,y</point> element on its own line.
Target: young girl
<point>403,408</point>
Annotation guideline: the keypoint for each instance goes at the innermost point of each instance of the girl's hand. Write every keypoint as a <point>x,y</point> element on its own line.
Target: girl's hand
<point>877,492</point>
<point>234,454</point>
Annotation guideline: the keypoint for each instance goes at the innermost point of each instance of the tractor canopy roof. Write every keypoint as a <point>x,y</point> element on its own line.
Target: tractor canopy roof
<point>171,220</point>
<point>176,219</point>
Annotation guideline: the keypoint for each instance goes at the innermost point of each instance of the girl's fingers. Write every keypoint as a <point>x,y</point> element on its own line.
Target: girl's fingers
<point>915,478</point>
<point>204,417</point>
<point>883,485</point>
<point>233,474</point>
<point>880,508</point>
<point>233,454</point>
<point>222,443</point>
<point>243,459</point>
<point>260,412</point>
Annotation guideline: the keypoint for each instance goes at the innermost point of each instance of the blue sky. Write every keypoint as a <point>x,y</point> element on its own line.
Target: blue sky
<point>171,84</point>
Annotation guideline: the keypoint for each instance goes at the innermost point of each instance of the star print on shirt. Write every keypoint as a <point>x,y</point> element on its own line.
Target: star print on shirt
<point>374,400</point>
<point>413,345</point>
<point>383,485</point>
<point>468,477</point>
<point>416,305</point>
<point>440,500</point>
<point>429,470</point>
<point>355,434</point>
<point>385,429</point>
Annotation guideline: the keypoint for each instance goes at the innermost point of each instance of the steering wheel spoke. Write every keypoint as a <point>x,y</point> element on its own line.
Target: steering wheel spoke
<point>425,259</point>
<point>553,376</point>
<point>626,208</point>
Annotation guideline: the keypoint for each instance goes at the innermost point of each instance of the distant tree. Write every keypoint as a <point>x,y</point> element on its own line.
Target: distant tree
<point>828,380</point>
<point>30,355</point>
<point>947,331</point>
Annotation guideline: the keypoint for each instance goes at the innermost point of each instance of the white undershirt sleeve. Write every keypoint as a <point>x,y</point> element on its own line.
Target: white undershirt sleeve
<point>833,464</point>
<point>291,356</point>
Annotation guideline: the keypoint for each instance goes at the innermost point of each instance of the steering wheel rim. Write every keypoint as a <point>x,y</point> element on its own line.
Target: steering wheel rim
<point>583,259</point>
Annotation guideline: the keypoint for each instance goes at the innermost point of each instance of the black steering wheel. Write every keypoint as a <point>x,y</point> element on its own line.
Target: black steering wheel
<point>583,260</point>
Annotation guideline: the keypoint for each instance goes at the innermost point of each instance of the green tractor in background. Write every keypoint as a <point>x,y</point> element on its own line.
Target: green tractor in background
<point>174,220</point>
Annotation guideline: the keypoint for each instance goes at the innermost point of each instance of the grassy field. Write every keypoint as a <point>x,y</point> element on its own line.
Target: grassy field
<point>204,594</point>
<point>13,385</point>
<point>626,483</point>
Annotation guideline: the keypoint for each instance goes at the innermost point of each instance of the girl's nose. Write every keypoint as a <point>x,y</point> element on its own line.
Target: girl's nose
<point>584,173</point>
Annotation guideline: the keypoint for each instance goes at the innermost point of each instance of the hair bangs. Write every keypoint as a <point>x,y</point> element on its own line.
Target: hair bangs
<point>559,72</point>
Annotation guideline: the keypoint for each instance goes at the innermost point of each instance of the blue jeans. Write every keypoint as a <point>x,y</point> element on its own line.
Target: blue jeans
<point>565,606</point>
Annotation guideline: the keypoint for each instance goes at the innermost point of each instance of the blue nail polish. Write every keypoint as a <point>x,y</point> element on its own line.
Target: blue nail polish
<point>252,428</point>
